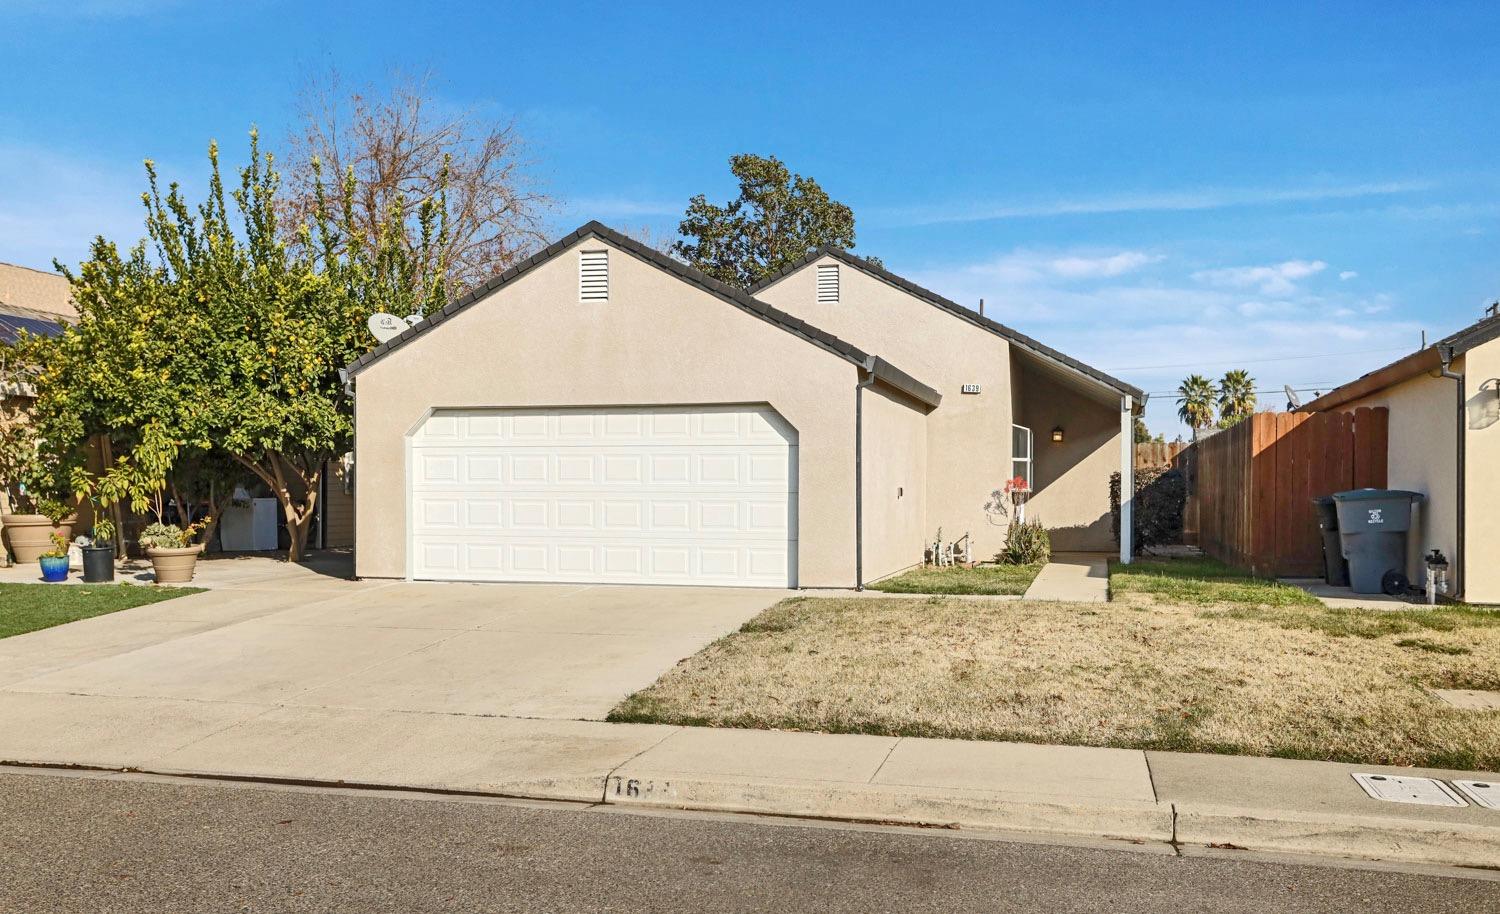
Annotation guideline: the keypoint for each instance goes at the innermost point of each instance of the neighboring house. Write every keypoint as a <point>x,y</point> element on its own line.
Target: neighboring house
<point>41,303</point>
<point>38,303</point>
<point>603,413</point>
<point>1444,441</point>
<point>32,300</point>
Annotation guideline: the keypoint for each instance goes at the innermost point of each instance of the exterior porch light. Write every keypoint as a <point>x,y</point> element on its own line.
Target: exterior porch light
<point>1057,435</point>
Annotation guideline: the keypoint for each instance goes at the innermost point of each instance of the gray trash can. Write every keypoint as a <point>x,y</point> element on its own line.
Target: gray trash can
<point>1335,566</point>
<point>1372,526</point>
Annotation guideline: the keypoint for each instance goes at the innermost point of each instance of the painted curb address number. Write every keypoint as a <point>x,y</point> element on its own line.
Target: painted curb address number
<point>632,787</point>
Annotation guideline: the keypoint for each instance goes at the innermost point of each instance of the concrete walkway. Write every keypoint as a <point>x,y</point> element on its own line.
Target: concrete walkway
<point>1073,577</point>
<point>1344,598</point>
<point>1167,798</point>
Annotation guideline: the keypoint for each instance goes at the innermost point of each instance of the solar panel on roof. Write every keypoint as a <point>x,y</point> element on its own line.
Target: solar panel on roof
<point>11,327</point>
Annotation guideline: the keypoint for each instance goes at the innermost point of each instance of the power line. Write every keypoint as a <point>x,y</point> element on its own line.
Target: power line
<point>1285,358</point>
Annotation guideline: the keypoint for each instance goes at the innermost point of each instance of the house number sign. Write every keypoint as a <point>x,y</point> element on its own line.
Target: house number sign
<point>971,388</point>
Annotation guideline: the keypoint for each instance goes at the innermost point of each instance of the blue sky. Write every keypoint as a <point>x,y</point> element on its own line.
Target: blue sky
<point>1297,189</point>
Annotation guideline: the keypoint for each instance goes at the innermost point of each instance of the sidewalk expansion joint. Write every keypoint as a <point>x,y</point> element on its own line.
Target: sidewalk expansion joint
<point>604,793</point>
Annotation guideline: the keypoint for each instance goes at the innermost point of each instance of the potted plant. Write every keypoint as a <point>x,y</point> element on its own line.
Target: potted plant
<point>173,554</point>
<point>99,554</point>
<point>31,530</point>
<point>31,474</point>
<point>54,561</point>
<point>1019,491</point>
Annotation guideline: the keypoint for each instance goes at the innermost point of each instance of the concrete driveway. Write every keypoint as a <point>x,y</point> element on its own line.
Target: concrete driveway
<point>310,641</point>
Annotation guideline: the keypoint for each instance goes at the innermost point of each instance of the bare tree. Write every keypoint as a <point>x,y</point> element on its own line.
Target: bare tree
<point>404,148</point>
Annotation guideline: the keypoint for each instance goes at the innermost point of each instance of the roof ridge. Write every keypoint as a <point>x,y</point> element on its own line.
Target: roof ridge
<point>739,297</point>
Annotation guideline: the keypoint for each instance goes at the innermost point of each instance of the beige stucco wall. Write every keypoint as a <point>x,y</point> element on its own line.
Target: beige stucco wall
<point>894,467</point>
<point>968,436</point>
<point>1421,457</point>
<point>1071,478</point>
<point>658,340</point>
<point>1482,473</point>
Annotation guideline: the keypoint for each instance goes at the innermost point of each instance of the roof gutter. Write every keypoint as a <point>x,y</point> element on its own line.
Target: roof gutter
<point>1446,354</point>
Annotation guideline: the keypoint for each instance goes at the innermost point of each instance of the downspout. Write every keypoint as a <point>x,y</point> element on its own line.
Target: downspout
<point>1446,354</point>
<point>859,471</point>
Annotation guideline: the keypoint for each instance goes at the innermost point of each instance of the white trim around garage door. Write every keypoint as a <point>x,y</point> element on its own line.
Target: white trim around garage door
<point>700,494</point>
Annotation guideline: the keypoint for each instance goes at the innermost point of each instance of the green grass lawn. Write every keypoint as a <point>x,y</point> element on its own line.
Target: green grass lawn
<point>29,607</point>
<point>1201,582</point>
<point>981,579</point>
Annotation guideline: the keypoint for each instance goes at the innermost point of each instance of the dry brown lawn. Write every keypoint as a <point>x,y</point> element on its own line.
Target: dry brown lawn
<point>1295,681</point>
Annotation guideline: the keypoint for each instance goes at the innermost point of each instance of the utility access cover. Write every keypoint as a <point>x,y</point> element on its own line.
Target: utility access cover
<point>1483,793</point>
<point>1399,789</point>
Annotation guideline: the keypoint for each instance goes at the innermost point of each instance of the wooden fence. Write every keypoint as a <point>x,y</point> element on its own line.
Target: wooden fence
<point>1157,453</point>
<point>1251,486</point>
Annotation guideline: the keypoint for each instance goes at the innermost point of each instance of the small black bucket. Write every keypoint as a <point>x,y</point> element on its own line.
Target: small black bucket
<point>98,564</point>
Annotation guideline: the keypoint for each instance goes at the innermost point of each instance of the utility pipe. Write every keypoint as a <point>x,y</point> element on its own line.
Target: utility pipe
<point>1446,355</point>
<point>859,472</point>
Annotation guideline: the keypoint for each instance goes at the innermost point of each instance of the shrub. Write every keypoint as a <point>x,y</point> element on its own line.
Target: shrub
<point>1026,543</point>
<point>163,536</point>
<point>1156,514</point>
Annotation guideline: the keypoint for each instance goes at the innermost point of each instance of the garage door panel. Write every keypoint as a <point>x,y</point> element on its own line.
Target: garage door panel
<point>642,495</point>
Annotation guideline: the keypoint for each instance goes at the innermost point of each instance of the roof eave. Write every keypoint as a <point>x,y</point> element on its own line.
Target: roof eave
<point>1017,338</point>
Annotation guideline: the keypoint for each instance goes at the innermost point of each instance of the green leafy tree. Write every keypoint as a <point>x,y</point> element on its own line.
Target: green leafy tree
<point>218,342</point>
<point>1141,433</point>
<point>1236,397</point>
<point>1195,402</point>
<point>777,218</point>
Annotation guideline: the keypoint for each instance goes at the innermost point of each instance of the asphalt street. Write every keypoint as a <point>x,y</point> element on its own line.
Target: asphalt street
<point>111,846</point>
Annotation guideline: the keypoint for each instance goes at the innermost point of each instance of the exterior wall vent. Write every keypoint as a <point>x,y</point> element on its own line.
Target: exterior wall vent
<point>593,275</point>
<point>828,282</point>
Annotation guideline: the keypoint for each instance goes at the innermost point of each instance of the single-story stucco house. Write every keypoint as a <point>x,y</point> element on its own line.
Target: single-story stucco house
<point>1444,442</point>
<point>603,413</point>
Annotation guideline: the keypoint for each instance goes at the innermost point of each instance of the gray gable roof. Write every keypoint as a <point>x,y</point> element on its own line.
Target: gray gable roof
<point>1409,366</point>
<point>882,370</point>
<point>954,308</point>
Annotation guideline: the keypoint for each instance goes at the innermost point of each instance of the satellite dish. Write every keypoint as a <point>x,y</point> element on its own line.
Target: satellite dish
<point>1292,400</point>
<point>386,326</point>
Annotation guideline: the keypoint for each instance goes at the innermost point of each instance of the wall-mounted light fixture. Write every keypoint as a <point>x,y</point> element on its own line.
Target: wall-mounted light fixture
<point>1057,435</point>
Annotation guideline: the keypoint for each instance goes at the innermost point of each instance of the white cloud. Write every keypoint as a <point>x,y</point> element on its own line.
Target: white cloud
<point>1076,267</point>
<point>1151,201</point>
<point>1276,279</point>
<point>1153,326</point>
<point>1348,274</point>
<point>1026,267</point>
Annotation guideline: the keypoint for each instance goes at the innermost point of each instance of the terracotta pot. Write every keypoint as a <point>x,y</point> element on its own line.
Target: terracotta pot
<point>29,535</point>
<point>174,566</point>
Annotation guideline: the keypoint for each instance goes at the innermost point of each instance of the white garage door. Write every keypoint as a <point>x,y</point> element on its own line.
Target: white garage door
<point>659,495</point>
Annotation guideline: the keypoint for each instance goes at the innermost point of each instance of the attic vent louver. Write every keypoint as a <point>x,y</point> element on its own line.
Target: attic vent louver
<point>828,282</point>
<point>593,275</point>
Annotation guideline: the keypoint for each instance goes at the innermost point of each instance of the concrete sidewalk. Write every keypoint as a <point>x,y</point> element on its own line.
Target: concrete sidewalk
<point>1073,577</point>
<point>1174,799</point>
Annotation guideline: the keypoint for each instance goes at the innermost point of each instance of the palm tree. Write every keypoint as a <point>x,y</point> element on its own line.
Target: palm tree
<point>1236,396</point>
<point>1195,402</point>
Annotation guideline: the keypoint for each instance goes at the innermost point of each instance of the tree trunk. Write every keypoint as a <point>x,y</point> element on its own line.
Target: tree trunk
<point>298,512</point>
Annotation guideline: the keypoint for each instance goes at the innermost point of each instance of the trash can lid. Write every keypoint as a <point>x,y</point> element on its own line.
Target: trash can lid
<point>1324,500</point>
<point>1371,494</point>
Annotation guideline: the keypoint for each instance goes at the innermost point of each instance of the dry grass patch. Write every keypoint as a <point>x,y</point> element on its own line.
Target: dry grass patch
<point>1291,681</point>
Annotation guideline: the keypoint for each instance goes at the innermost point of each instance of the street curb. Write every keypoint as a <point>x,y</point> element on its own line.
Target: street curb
<point>926,807</point>
<point>1332,834</point>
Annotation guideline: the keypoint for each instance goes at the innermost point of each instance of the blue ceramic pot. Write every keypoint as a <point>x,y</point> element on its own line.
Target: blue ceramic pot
<point>54,568</point>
